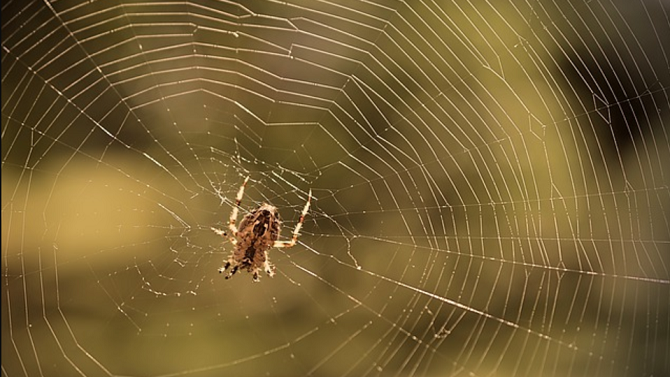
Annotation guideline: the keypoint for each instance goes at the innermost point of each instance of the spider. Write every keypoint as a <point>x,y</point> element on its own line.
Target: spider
<point>257,234</point>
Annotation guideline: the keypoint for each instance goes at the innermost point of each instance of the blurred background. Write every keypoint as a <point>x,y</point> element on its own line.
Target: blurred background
<point>490,187</point>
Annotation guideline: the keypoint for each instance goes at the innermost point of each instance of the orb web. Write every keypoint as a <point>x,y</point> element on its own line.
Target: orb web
<point>489,179</point>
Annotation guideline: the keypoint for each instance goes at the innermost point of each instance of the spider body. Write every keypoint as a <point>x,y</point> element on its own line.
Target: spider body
<point>257,234</point>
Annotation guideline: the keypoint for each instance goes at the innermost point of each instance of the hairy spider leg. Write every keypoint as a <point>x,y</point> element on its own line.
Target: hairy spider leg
<point>232,272</point>
<point>269,268</point>
<point>296,231</point>
<point>225,267</point>
<point>233,215</point>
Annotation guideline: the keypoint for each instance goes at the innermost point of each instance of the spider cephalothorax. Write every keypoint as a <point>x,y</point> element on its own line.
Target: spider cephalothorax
<point>258,232</point>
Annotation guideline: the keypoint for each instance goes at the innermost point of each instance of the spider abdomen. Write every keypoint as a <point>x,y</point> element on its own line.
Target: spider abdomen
<point>257,234</point>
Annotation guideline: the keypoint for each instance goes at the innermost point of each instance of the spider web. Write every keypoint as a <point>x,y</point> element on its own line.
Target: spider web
<point>490,187</point>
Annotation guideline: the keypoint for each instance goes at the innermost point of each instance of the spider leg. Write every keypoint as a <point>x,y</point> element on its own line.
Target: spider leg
<point>269,268</point>
<point>223,233</point>
<point>233,214</point>
<point>225,267</point>
<point>296,231</point>
<point>232,272</point>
